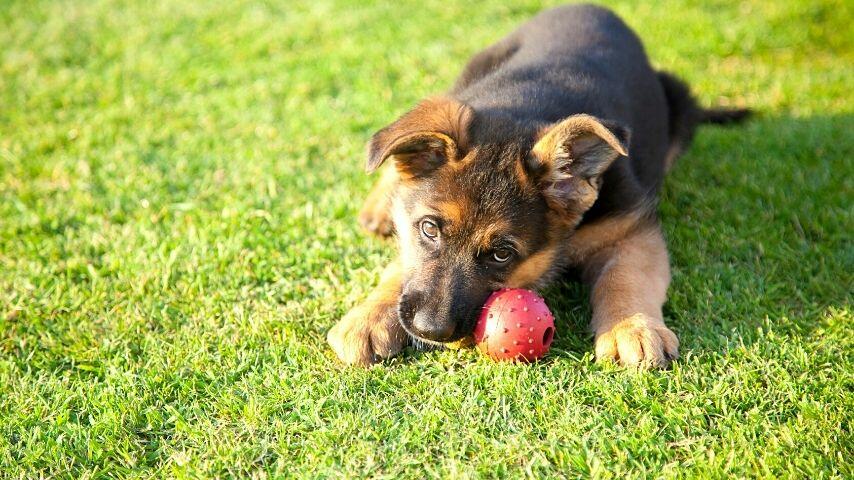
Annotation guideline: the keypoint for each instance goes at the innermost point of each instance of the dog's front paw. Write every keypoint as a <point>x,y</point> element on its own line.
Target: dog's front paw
<point>367,335</point>
<point>375,217</point>
<point>639,341</point>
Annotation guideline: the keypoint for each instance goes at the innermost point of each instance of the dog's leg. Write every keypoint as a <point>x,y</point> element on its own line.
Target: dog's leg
<point>629,278</point>
<point>371,331</point>
<point>375,216</point>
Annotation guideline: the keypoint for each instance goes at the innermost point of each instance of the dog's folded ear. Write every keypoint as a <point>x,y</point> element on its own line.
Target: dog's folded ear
<point>570,157</point>
<point>433,133</point>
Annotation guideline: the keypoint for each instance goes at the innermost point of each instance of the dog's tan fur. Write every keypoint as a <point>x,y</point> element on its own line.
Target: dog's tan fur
<point>375,215</point>
<point>629,271</point>
<point>533,269</point>
<point>370,331</point>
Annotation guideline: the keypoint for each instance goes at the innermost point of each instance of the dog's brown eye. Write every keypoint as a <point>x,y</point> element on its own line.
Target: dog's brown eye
<point>429,229</point>
<point>502,255</point>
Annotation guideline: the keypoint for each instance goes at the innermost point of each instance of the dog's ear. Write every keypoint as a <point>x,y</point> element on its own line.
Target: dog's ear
<point>570,157</point>
<point>425,138</point>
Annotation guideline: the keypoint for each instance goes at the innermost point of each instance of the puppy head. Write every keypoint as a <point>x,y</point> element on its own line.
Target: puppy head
<point>482,204</point>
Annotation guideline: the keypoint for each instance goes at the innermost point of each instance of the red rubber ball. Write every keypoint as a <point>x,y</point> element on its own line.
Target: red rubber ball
<point>514,324</point>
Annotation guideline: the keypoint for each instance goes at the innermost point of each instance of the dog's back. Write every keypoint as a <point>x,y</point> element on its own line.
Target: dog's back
<point>567,60</point>
<point>583,59</point>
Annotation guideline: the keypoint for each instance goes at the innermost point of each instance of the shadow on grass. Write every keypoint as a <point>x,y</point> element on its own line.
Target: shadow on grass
<point>756,218</point>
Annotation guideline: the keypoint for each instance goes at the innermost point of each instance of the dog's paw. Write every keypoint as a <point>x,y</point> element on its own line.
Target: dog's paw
<point>365,337</point>
<point>638,341</point>
<point>375,217</point>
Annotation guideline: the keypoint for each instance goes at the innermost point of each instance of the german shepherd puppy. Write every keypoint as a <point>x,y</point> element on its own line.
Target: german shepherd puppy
<point>546,156</point>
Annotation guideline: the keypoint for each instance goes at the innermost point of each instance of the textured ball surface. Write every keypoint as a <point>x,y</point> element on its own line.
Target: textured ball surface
<point>514,324</point>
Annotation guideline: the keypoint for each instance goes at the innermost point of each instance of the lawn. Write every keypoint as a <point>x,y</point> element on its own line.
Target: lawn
<point>178,190</point>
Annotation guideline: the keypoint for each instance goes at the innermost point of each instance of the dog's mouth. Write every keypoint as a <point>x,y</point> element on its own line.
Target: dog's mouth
<point>421,343</point>
<point>424,344</point>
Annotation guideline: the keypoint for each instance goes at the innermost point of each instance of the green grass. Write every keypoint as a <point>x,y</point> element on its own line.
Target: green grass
<point>178,190</point>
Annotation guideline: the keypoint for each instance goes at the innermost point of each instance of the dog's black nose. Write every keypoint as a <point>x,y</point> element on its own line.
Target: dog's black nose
<point>424,318</point>
<point>426,326</point>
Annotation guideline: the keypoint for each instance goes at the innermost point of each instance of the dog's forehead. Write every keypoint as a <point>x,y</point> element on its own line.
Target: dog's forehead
<point>481,198</point>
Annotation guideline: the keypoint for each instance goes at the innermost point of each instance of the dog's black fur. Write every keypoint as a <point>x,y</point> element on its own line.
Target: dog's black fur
<point>583,59</point>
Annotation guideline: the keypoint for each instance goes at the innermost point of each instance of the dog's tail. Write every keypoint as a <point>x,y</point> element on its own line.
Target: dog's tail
<point>685,115</point>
